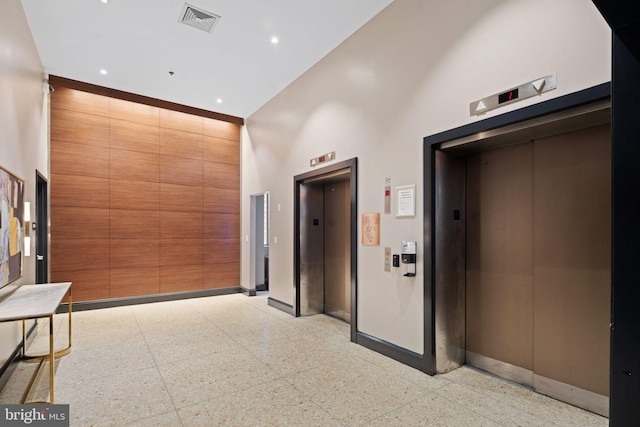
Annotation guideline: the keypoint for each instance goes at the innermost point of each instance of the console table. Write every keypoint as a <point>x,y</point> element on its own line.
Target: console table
<point>37,302</point>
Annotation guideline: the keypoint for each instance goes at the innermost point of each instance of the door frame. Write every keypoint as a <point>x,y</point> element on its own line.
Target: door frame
<point>298,180</point>
<point>255,218</point>
<point>42,229</point>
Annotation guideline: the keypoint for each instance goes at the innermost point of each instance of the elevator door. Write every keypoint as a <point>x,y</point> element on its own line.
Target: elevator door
<point>538,261</point>
<point>499,293</point>
<point>325,247</point>
<point>337,250</point>
<point>311,249</point>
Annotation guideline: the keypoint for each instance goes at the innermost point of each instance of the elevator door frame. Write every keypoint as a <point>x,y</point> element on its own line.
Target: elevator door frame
<point>42,229</point>
<point>259,252</point>
<point>350,167</point>
<point>562,114</point>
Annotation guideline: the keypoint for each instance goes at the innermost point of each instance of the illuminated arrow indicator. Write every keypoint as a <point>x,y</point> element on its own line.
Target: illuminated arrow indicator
<point>481,107</point>
<point>538,85</point>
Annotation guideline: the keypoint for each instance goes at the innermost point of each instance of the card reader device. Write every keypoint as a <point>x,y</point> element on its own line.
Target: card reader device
<point>408,256</point>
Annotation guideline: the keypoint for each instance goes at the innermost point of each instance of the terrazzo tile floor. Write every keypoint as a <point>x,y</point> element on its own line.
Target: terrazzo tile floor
<point>234,361</point>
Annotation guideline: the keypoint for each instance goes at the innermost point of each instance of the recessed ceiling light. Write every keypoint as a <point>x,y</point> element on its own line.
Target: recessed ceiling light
<point>103,72</point>
<point>219,100</point>
<point>104,1</point>
<point>274,40</point>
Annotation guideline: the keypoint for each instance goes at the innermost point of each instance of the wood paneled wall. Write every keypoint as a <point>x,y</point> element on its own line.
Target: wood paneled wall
<point>144,200</point>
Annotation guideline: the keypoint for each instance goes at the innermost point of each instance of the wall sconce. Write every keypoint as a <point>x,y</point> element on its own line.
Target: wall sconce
<point>27,227</point>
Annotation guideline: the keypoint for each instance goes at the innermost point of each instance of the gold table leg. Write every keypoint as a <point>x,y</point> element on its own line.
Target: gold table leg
<point>52,357</point>
<point>41,358</point>
<point>24,338</point>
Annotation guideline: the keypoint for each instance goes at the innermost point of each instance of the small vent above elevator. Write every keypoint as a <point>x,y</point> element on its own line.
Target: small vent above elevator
<point>198,18</point>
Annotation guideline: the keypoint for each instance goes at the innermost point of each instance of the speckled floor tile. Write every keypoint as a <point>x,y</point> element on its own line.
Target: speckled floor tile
<point>297,354</point>
<point>157,311</point>
<point>233,360</point>
<point>275,404</point>
<point>16,387</point>
<point>193,380</point>
<point>183,321</point>
<point>109,336</point>
<point>525,399</point>
<point>116,400</point>
<point>355,393</point>
<point>312,327</point>
<point>262,305</point>
<point>255,332</point>
<point>168,419</point>
<point>93,364</point>
<point>6,398</point>
<point>223,316</point>
<point>210,308</point>
<point>99,328</point>
<point>189,345</point>
<point>17,383</point>
<point>560,413</point>
<point>489,407</point>
<point>432,410</point>
<point>405,372</point>
<point>322,325</point>
<point>412,375</point>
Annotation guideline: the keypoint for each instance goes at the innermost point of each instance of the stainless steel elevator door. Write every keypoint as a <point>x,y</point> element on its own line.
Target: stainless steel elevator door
<point>325,247</point>
<point>337,250</point>
<point>311,249</point>
<point>449,262</point>
<point>538,259</point>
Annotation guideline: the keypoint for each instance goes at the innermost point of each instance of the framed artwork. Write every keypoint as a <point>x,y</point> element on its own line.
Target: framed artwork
<point>11,227</point>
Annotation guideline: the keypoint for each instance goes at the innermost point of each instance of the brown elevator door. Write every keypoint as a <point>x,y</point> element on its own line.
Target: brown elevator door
<point>538,257</point>
<point>499,293</point>
<point>572,253</point>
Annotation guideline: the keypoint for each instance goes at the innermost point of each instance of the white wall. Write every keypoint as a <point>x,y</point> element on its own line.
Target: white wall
<point>410,72</point>
<point>23,128</point>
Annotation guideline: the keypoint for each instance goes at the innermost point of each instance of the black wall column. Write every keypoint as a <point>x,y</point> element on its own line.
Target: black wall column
<point>625,336</point>
<point>623,16</point>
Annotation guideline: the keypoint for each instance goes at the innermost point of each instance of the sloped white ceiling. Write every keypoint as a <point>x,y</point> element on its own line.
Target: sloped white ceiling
<point>138,42</point>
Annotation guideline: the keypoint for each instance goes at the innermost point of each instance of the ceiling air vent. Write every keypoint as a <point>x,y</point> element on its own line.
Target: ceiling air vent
<point>198,18</point>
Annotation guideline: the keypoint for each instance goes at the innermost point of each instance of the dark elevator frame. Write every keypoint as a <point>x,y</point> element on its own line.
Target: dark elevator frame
<point>42,229</point>
<point>623,16</point>
<point>352,165</point>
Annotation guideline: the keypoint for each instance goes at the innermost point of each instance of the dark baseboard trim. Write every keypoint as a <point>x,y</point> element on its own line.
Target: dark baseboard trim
<point>282,306</point>
<point>8,367</point>
<point>119,302</point>
<point>393,351</point>
<point>248,292</point>
<point>261,288</point>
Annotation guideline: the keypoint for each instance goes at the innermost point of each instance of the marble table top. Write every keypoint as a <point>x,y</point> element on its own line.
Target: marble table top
<point>33,301</point>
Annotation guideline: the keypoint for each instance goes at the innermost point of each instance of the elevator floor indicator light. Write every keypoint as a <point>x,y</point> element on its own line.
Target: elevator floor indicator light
<point>527,90</point>
<point>508,96</point>
<point>321,159</point>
